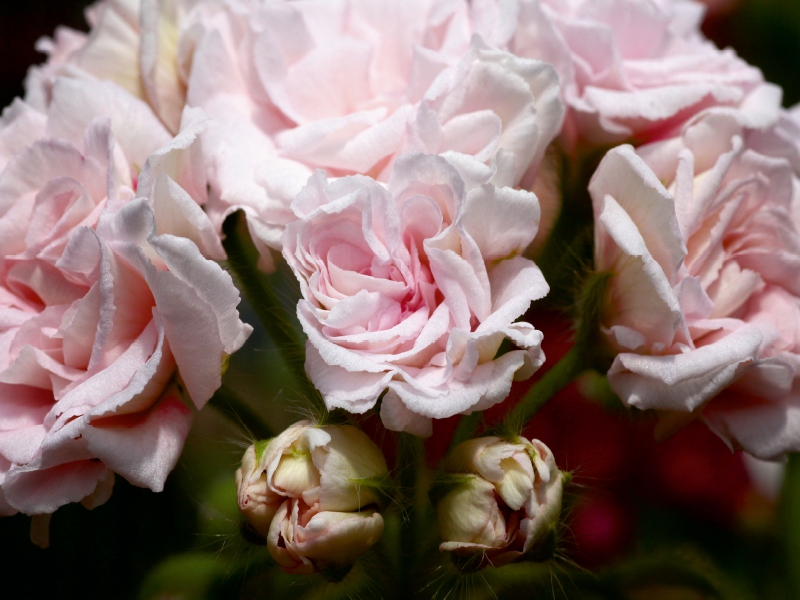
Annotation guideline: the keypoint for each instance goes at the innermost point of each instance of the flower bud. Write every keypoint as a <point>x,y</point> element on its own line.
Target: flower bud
<point>313,492</point>
<point>304,539</point>
<point>257,503</point>
<point>502,502</point>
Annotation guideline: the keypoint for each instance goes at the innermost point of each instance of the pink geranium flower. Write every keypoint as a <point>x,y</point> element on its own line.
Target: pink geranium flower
<point>411,288</point>
<point>705,302</point>
<point>105,315</point>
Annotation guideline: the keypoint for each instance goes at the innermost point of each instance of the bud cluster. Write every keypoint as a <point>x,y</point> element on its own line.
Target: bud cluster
<point>314,495</point>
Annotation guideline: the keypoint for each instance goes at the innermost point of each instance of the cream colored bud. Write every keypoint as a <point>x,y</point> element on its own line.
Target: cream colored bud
<point>505,500</point>
<point>303,539</point>
<point>325,465</point>
<point>257,503</point>
<point>326,481</point>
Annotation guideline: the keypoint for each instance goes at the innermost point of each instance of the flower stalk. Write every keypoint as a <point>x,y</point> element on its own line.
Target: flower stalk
<point>256,286</point>
<point>588,352</point>
<point>239,413</point>
<point>559,376</point>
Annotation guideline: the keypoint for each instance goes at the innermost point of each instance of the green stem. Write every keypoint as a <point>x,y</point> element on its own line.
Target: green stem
<point>240,414</point>
<point>559,376</point>
<point>242,260</point>
<point>790,513</point>
<point>466,429</point>
<point>568,247</point>
<point>410,465</point>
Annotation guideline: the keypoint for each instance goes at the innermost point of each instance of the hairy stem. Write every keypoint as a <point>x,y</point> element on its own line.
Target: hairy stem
<point>410,465</point>
<point>240,414</point>
<point>558,377</point>
<point>466,428</point>
<point>257,288</point>
<point>790,513</point>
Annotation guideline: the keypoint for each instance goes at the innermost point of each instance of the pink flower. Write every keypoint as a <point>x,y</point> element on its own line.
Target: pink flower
<point>630,69</point>
<point>106,316</point>
<point>412,287</point>
<point>133,43</point>
<point>327,465</point>
<point>348,86</point>
<point>705,296</point>
<point>781,141</point>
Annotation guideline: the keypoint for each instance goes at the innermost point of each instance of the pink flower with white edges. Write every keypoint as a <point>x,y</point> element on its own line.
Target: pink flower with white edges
<point>630,69</point>
<point>348,86</point>
<point>100,305</point>
<point>412,287</point>
<point>704,305</point>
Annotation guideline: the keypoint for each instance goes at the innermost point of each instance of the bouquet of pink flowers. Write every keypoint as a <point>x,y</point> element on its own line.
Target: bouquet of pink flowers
<point>450,182</point>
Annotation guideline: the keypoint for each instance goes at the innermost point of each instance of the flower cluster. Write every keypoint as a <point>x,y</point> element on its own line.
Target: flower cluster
<point>111,312</point>
<point>393,154</point>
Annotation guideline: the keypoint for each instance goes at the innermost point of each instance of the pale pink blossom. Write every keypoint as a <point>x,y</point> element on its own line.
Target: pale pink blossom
<point>504,501</point>
<point>304,539</point>
<point>412,287</point>
<point>348,86</point>
<point>344,85</point>
<point>106,318</point>
<point>630,69</point>
<point>704,304</point>
<point>782,140</point>
<point>133,43</point>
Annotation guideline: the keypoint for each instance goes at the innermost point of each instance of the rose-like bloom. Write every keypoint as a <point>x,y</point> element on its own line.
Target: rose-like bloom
<point>781,141</point>
<point>505,503</point>
<point>312,492</point>
<point>295,86</point>
<point>705,295</point>
<point>133,43</point>
<point>413,287</point>
<point>629,69</point>
<point>104,313</point>
<point>348,86</point>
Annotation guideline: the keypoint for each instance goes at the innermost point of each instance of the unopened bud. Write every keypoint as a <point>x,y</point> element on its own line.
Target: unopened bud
<point>257,503</point>
<point>502,502</point>
<point>313,493</point>
<point>304,539</point>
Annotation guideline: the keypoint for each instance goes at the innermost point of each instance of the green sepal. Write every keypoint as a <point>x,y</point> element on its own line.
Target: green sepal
<point>383,485</point>
<point>545,549</point>
<point>224,363</point>
<point>261,447</point>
